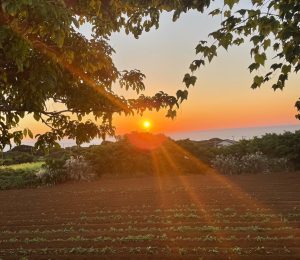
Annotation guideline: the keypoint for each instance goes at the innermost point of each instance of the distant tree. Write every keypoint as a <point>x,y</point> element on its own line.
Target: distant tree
<point>22,149</point>
<point>45,60</point>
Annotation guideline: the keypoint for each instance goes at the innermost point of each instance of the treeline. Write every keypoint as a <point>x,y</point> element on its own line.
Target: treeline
<point>20,154</point>
<point>269,153</point>
<point>273,146</point>
<point>146,154</point>
<point>139,154</point>
<point>134,154</point>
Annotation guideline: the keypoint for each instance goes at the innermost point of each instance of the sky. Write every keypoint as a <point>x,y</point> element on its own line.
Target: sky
<point>222,97</point>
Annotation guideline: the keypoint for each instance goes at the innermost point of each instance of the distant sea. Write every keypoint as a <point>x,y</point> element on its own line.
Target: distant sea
<point>234,133</point>
<point>228,133</point>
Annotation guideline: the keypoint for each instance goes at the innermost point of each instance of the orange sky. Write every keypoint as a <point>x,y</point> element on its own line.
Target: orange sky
<point>222,97</point>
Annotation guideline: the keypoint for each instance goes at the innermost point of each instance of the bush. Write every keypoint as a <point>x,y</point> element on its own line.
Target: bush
<point>118,159</point>
<point>203,150</point>
<point>16,179</point>
<point>275,146</point>
<point>52,172</point>
<point>140,154</point>
<point>7,162</point>
<point>249,163</point>
<point>61,170</point>
<point>78,168</point>
<point>16,157</point>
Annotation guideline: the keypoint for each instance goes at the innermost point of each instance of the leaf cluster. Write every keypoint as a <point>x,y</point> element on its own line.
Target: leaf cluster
<point>50,71</point>
<point>272,26</point>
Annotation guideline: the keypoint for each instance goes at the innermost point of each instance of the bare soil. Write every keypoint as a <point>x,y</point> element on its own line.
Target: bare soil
<point>184,217</point>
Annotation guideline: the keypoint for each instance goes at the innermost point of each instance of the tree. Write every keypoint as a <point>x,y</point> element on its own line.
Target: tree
<point>43,59</point>
<point>269,25</point>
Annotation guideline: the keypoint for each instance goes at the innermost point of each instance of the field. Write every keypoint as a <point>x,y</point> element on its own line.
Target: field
<point>184,217</point>
<point>19,175</point>
<point>24,166</point>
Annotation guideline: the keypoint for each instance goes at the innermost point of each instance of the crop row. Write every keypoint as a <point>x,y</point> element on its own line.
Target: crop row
<point>263,218</point>
<point>157,229</point>
<point>149,237</point>
<point>183,208</point>
<point>149,250</point>
<point>211,207</point>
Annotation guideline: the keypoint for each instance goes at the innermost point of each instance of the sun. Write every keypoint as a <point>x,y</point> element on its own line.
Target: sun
<point>147,124</point>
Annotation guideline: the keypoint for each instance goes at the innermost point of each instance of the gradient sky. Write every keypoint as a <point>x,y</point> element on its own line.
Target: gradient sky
<point>222,97</point>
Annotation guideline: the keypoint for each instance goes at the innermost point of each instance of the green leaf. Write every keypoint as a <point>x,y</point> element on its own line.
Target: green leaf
<point>267,44</point>
<point>25,132</point>
<point>286,69</point>
<point>257,39</point>
<point>227,13</point>
<point>260,58</point>
<point>253,66</point>
<point>36,116</point>
<point>182,95</point>
<point>242,12</point>
<point>29,133</point>
<point>231,3</point>
<point>238,41</point>
<point>257,2</point>
<point>189,80</point>
<point>196,64</point>
<point>171,113</point>
<point>276,66</point>
<point>215,12</point>
<point>258,80</point>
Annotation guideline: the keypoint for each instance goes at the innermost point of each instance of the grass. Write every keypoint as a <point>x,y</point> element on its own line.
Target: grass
<point>24,166</point>
<point>19,175</point>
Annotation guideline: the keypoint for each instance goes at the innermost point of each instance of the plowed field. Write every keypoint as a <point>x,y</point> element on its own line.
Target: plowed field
<point>188,217</point>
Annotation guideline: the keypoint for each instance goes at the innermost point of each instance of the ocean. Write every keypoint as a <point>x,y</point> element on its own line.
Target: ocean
<point>234,133</point>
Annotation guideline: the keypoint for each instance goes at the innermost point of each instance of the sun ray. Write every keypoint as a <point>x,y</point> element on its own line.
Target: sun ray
<point>164,202</point>
<point>195,198</point>
<point>244,198</point>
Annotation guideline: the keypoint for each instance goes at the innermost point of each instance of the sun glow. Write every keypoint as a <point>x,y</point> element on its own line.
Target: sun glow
<point>147,124</point>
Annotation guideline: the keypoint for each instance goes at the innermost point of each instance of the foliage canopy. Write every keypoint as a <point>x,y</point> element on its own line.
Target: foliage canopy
<point>45,60</point>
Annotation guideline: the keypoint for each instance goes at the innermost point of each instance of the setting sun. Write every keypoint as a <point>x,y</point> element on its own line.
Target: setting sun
<point>147,124</point>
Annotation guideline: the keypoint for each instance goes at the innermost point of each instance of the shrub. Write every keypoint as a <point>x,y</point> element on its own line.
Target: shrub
<point>140,154</point>
<point>17,157</point>
<point>7,162</point>
<point>249,163</point>
<point>15,179</point>
<point>53,172</point>
<point>275,146</point>
<point>61,170</point>
<point>119,159</point>
<point>78,168</point>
